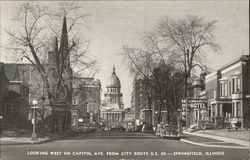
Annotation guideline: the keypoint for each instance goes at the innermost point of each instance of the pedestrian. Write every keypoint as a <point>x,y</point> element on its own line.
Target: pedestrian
<point>143,128</point>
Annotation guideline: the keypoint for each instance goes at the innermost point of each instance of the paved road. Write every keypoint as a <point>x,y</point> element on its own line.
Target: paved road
<point>117,145</point>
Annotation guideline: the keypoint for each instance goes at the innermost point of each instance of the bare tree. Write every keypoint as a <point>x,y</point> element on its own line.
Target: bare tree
<point>176,46</point>
<point>30,37</point>
<point>150,65</point>
<point>188,40</point>
<point>140,65</point>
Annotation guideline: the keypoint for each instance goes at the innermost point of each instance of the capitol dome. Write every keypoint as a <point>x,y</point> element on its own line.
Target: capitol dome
<point>113,80</point>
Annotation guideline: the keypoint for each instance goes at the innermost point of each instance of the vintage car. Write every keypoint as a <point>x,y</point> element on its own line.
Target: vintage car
<point>168,131</point>
<point>147,128</point>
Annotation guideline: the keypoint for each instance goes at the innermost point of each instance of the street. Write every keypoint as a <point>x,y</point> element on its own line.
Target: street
<point>118,145</point>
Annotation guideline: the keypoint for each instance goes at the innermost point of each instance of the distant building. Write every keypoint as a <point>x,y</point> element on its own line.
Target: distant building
<point>139,102</point>
<point>86,101</point>
<point>227,91</point>
<point>112,111</point>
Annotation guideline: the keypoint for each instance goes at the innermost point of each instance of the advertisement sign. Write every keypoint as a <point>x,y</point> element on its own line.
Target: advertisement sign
<point>197,103</point>
<point>192,103</point>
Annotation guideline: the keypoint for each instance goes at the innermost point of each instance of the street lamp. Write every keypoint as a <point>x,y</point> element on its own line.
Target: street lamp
<point>34,107</point>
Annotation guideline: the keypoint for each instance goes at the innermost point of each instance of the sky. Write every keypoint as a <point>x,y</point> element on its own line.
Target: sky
<point>112,24</point>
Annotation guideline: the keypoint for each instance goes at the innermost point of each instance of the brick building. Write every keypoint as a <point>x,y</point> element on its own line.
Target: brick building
<point>14,100</point>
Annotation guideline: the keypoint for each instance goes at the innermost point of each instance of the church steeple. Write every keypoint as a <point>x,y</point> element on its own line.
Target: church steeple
<point>64,36</point>
<point>64,55</point>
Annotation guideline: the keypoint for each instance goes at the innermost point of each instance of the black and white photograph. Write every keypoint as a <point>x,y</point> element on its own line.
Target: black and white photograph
<point>124,80</point>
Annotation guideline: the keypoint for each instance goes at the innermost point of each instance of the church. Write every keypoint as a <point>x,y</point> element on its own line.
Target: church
<point>112,110</point>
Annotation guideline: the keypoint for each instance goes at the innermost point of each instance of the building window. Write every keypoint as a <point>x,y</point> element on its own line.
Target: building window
<point>221,89</point>
<point>233,109</point>
<point>233,87</point>
<point>213,110</point>
<point>74,122</point>
<point>238,109</point>
<point>75,101</point>
<point>229,88</point>
<point>236,85</point>
<point>225,89</point>
<point>218,111</point>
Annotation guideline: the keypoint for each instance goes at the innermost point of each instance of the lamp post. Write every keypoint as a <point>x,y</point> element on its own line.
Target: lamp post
<point>179,126</point>
<point>34,107</point>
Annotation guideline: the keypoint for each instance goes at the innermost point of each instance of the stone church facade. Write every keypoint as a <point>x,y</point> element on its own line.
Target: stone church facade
<point>60,81</point>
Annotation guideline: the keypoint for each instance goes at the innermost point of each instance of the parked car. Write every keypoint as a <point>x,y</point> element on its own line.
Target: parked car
<point>234,126</point>
<point>117,129</point>
<point>168,131</point>
<point>147,128</point>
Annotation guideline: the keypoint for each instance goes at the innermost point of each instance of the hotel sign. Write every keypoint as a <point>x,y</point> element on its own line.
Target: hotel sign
<point>197,103</point>
<point>192,103</point>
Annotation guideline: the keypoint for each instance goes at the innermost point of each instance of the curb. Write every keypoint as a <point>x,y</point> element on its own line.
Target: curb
<point>218,146</point>
<point>35,142</point>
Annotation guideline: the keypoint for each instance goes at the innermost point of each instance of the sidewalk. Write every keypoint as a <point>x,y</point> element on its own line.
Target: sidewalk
<point>27,140</point>
<point>21,140</point>
<point>220,139</point>
<point>239,134</point>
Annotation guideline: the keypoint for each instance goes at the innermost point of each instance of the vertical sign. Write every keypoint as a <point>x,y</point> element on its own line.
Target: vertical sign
<point>183,108</point>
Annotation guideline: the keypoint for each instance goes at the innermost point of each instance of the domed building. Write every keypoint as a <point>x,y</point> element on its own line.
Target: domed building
<point>112,111</point>
<point>113,95</point>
